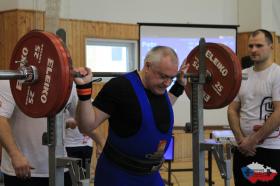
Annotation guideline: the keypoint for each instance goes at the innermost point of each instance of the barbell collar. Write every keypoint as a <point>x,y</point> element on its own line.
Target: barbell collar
<point>30,73</point>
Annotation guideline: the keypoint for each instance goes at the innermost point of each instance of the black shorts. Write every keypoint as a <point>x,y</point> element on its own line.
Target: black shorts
<point>33,181</point>
<point>82,152</point>
<point>257,170</point>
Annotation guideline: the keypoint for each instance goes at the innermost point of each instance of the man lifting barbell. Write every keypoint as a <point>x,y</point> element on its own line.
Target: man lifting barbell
<point>140,118</point>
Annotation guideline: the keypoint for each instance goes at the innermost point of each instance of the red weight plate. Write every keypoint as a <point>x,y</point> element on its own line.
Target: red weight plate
<point>238,73</point>
<point>46,97</point>
<point>64,73</point>
<point>66,58</point>
<point>225,82</point>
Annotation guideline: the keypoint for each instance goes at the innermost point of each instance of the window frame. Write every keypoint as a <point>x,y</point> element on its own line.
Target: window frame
<point>132,53</point>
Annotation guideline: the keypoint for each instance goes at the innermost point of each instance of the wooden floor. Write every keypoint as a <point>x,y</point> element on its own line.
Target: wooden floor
<point>186,178</point>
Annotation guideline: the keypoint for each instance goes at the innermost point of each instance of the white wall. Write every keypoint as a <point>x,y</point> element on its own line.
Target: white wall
<point>249,15</point>
<point>164,11</point>
<point>31,4</point>
<point>270,9</point>
<point>8,5</point>
<point>133,11</point>
<point>255,14</point>
<point>276,15</point>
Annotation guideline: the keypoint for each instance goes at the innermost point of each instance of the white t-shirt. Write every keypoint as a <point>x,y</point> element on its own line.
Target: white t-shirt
<point>256,95</point>
<point>27,132</point>
<point>73,137</point>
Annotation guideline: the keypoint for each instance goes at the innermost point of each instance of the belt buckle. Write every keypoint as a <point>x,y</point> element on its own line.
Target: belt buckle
<point>157,167</point>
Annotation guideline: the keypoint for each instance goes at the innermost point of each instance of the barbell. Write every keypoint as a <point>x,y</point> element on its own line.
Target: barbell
<point>41,74</point>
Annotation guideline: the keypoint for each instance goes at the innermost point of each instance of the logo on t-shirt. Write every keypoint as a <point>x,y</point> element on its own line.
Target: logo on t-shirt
<point>257,172</point>
<point>266,108</point>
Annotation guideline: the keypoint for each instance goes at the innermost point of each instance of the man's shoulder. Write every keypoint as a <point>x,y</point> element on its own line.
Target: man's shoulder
<point>246,70</point>
<point>276,66</point>
<point>275,69</point>
<point>117,83</point>
<point>5,85</point>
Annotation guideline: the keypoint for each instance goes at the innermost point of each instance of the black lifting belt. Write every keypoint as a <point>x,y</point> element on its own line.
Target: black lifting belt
<point>135,165</point>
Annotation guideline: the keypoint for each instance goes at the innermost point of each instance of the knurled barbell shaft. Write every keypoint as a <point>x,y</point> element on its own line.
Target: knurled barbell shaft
<point>12,74</point>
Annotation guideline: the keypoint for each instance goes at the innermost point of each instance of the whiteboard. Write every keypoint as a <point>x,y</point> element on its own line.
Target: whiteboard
<point>183,38</point>
<point>215,117</point>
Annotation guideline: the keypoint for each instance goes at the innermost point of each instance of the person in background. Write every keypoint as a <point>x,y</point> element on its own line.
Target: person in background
<point>140,114</point>
<point>79,145</point>
<point>254,117</point>
<point>24,158</point>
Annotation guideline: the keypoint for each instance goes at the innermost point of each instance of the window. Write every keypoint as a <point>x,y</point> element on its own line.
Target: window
<point>111,55</point>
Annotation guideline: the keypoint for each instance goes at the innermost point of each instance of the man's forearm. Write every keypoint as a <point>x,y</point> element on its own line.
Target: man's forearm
<point>6,138</point>
<point>89,117</point>
<point>98,137</point>
<point>85,116</point>
<point>234,123</point>
<point>271,124</point>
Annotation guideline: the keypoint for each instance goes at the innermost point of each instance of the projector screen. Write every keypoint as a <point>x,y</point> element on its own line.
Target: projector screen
<point>183,38</point>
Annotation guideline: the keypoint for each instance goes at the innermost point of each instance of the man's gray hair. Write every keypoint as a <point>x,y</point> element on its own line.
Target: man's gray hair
<point>158,52</point>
